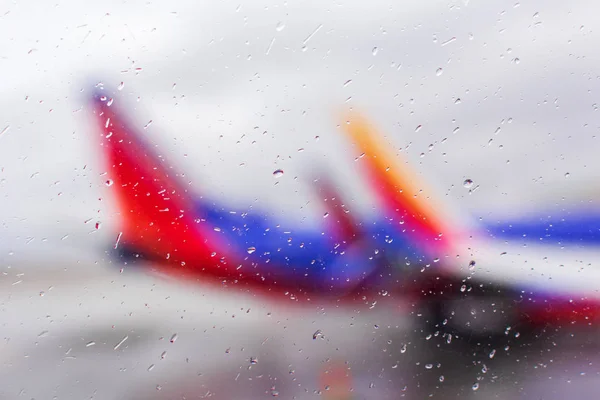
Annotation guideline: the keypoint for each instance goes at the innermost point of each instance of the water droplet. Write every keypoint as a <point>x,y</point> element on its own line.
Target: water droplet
<point>516,60</point>
<point>173,338</point>
<point>457,101</point>
<point>280,26</point>
<point>120,343</point>
<point>109,182</point>
<point>428,366</point>
<point>441,378</point>
<point>418,128</point>
<point>492,353</point>
<point>463,288</point>
<point>439,72</point>
<point>447,42</point>
<point>475,386</point>
<point>403,349</point>
<point>374,51</point>
<point>277,173</point>
<point>253,360</point>
<point>163,355</point>
<point>121,86</point>
<point>251,249</point>
<point>349,81</point>
<point>118,240</point>
<point>151,367</point>
<point>6,128</point>
<point>567,175</point>
<point>318,334</point>
<point>472,264</point>
<point>90,344</point>
<point>468,183</point>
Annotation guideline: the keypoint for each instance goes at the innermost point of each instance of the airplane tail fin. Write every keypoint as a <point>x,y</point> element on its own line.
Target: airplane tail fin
<point>339,219</point>
<point>398,191</point>
<point>157,212</point>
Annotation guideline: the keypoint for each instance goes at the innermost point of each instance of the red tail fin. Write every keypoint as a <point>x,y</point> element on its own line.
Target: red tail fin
<point>157,212</point>
<point>341,221</point>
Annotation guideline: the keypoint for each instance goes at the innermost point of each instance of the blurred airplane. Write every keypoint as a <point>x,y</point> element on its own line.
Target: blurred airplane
<point>480,279</point>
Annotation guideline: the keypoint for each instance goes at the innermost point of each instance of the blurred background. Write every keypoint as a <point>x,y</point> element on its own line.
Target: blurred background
<point>503,93</point>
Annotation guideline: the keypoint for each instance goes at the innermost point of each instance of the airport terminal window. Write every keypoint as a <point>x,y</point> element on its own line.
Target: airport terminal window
<point>327,199</point>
